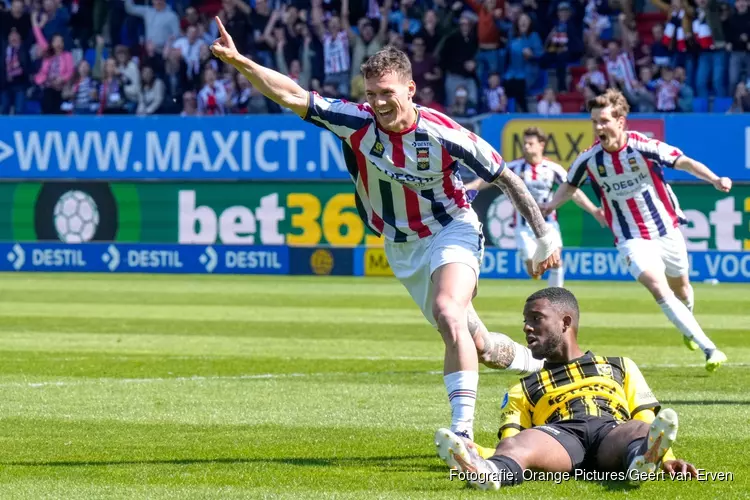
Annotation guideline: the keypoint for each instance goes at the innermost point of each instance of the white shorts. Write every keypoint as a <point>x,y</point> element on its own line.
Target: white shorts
<point>665,254</point>
<point>526,240</point>
<point>414,262</point>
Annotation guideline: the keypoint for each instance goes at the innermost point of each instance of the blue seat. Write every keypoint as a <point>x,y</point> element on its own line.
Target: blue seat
<point>540,84</point>
<point>700,105</point>
<point>32,107</point>
<point>511,105</point>
<point>722,104</point>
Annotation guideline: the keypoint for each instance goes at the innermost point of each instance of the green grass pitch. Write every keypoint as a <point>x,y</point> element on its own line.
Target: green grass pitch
<point>279,387</point>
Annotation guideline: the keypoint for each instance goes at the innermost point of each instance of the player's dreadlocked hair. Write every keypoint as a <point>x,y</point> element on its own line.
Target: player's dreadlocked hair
<point>613,98</point>
<point>560,298</point>
<point>386,60</point>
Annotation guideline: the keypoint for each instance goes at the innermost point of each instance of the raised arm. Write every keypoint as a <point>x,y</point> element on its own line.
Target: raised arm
<point>279,88</point>
<point>701,171</point>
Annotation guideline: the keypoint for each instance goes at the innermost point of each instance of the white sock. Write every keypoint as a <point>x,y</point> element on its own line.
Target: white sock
<point>690,300</point>
<point>684,320</point>
<point>462,394</point>
<point>556,277</point>
<point>523,362</point>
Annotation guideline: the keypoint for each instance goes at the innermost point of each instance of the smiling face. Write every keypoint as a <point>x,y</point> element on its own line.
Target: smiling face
<point>390,95</point>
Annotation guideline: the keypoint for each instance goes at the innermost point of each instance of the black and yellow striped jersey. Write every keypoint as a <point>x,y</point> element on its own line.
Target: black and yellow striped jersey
<point>588,386</point>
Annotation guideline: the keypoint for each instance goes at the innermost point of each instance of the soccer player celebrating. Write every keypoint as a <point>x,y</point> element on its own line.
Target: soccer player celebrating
<point>541,177</point>
<point>627,171</point>
<point>403,160</point>
<point>588,416</point>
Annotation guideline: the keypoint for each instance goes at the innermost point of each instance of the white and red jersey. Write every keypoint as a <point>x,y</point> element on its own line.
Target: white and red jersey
<point>541,179</point>
<point>637,201</point>
<point>407,184</point>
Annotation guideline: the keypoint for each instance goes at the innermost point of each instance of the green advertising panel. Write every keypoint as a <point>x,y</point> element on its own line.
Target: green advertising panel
<point>302,214</point>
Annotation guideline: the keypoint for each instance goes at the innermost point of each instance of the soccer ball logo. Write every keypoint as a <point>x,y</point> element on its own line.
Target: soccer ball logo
<point>500,223</point>
<point>76,217</point>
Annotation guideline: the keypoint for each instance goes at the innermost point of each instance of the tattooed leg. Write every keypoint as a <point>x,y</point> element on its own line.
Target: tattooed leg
<point>498,351</point>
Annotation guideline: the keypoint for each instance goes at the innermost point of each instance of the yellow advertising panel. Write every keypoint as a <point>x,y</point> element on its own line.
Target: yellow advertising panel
<point>567,138</point>
<point>376,264</point>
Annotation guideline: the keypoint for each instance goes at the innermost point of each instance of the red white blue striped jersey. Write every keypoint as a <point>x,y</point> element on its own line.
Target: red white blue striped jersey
<point>541,180</point>
<point>637,201</point>
<point>407,184</point>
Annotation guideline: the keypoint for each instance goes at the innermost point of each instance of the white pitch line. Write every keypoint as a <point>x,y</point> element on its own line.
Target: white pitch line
<point>272,376</point>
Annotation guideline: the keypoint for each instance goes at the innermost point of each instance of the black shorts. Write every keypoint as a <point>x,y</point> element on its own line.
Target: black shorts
<point>581,438</point>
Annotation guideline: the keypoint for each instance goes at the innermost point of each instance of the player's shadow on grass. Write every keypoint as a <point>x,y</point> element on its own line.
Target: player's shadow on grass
<point>394,464</point>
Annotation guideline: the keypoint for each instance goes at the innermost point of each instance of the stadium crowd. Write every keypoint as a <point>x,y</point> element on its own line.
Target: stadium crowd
<point>469,56</point>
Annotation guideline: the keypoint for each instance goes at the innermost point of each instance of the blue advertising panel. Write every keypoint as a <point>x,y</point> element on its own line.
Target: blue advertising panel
<point>269,147</point>
<point>144,258</point>
<point>720,141</point>
<point>605,265</point>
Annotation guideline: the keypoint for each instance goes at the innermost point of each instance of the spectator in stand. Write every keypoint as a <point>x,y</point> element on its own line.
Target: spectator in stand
<point>660,55</point>
<point>235,16</point>
<point>462,107</point>
<point>667,90</point>
<point>457,61</point>
<point>564,45</point>
<point>55,20</point>
<point>524,52</point>
<point>130,76</point>
<point>367,42</point>
<point>431,32</point>
<point>549,106</point>
<point>160,21</point>
<point>16,19</point>
<point>491,41</point>
<point>741,101</point>
<point>189,104</point>
<point>112,99</point>
<point>712,60</point>
<point>425,69</point>
<point>678,31</point>
<point>685,100</point>
<point>641,95</point>
<point>82,95</point>
<point>738,36</point>
<point>619,66</point>
<point>56,71</point>
<point>16,71</point>
<point>495,100</point>
<point>335,45</point>
<point>299,70</point>
<point>260,16</point>
<point>152,93</point>
<point>239,100</point>
<point>597,26</point>
<point>427,99</point>
<point>176,82</point>
<point>212,98</point>
<point>206,61</point>
<point>190,49</point>
<point>593,78</point>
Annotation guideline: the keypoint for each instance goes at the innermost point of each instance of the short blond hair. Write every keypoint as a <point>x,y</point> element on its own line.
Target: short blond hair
<point>612,98</point>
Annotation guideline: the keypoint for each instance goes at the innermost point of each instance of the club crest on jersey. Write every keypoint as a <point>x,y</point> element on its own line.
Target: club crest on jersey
<point>604,370</point>
<point>377,149</point>
<point>602,171</point>
<point>423,158</point>
<point>506,399</point>
<point>633,164</point>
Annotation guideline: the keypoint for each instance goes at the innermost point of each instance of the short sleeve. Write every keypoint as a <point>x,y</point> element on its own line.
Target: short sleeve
<point>341,117</point>
<point>639,394</point>
<point>658,151</point>
<point>515,413</point>
<point>560,174</point>
<point>577,174</point>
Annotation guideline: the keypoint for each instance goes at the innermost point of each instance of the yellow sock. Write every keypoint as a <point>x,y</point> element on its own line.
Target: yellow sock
<point>485,452</point>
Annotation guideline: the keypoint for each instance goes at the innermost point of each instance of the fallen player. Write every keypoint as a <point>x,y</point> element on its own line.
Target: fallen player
<point>586,416</point>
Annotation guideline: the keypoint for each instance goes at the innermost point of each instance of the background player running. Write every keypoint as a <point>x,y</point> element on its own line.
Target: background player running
<point>582,412</point>
<point>627,170</point>
<point>403,160</point>
<point>541,176</point>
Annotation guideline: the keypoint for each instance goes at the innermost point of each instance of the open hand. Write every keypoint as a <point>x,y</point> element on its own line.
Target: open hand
<point>673,467</point>
<point>223,47</point>
<point>723,184</point>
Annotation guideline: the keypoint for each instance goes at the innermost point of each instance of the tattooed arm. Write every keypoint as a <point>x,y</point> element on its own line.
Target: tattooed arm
<point>495,350</point>
<point>519,195</point>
